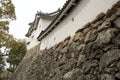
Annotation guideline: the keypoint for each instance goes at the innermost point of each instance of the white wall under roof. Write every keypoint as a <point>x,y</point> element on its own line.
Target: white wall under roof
<point>43,23</point>
<point>85,12</point>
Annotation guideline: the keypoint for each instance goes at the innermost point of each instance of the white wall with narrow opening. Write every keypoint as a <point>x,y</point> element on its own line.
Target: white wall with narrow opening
<point>85,12</point>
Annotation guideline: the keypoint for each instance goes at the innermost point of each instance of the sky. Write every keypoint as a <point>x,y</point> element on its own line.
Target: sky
<point>25,13</point>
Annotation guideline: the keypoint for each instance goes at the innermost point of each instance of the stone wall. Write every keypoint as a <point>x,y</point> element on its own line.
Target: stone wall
<point>92,54</point>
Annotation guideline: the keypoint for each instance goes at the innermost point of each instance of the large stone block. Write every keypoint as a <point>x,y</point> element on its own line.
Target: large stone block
<point>117,22</point>
<point>109,58</point>
<point>105,36</point>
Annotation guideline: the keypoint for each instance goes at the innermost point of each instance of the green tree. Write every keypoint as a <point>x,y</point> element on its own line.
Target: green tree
<point>1,64</point>
<point>7,9</point>
<point>16,53</point>
<point>14,49</point>
<point>7,13</point>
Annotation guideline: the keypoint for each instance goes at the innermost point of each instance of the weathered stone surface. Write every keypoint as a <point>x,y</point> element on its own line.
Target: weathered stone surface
<point>91,36</point>
<point>68,75</point>
<point>86,30</point>
<point>107,77</point>
<point>97,24</point>
<point>105,36</point>
<point>118,65</point>
<point>118,12</point>
<point>117,22</point>
<point>108,58</point>
<point>113,17</point>
<point>117,76</point>
<point>60,45</point>
<point>81,47</point>
<point>86,25</point>
<point>117,40</point>
<point>113,9</point>
<point>105,25</point>
<point>64,50</point>
<point>77,36</point>
<point>66,41</point>
<point>81,58</point>
<point>87,66</point>
<point>71,40</point>
<point>99,17</point>
<point>92,55</point>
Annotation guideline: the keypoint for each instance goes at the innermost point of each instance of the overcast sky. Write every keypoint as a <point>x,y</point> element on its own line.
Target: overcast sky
<point>26,10</point>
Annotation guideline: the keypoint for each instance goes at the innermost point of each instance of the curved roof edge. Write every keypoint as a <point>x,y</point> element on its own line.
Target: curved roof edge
<point>40,14</point>
<point>66,7</point>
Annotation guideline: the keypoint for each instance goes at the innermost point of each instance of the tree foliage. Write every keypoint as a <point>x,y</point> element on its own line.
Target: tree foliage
<point>16,53</point>
<point>1,63</point>
<point>7,13</point>
<point>13,48</point>
<point>7,9</point>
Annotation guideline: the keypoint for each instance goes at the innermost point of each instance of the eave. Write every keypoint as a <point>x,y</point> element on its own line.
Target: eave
<point>49,16</point>
<point>64,12</point>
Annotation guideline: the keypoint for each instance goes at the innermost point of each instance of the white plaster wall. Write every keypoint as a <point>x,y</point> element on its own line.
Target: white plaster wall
<point>43,23</point>
<point>33,40</point>
<point>85,12</point>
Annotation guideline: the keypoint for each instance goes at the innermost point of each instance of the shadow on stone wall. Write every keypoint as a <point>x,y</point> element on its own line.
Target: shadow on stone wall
<point>92,54</point>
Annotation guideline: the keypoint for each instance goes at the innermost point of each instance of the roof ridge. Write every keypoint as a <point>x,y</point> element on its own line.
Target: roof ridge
<point>48,14</point>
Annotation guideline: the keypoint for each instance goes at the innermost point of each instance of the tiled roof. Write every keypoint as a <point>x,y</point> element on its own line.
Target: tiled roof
<point>48,14</point>
<point>64,11</point>
<point>33,25</point>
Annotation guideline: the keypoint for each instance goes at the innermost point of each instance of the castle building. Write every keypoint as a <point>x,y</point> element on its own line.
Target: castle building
<point>41,22</point>
<point>50,29</point>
